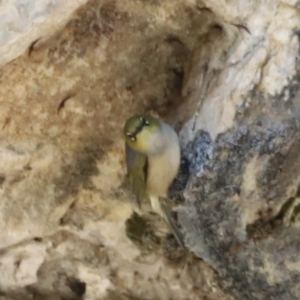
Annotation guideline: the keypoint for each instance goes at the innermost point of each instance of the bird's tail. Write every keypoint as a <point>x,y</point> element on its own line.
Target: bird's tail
<point>165,213</point>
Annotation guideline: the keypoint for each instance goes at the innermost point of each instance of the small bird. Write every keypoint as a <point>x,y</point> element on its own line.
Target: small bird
<point>153,160</point>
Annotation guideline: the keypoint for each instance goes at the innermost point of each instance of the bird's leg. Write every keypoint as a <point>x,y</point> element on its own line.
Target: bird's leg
<point>156,207</point>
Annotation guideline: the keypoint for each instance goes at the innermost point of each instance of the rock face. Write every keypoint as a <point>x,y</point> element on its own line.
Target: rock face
<point>23,23</point>
<point>241,209</point>
<point>225,74</point>
<point>241,213</point>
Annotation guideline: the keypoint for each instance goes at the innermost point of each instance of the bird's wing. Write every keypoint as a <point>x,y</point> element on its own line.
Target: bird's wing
<point>137,168</point>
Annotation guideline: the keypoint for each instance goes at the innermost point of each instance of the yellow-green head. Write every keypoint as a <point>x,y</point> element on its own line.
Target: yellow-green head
<point>140,133</point>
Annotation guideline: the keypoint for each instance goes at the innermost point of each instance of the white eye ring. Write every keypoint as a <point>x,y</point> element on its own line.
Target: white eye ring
<point>133,138</point>
<point>146,122</point>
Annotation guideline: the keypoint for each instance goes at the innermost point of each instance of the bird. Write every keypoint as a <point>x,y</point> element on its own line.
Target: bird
<point>152,153</point>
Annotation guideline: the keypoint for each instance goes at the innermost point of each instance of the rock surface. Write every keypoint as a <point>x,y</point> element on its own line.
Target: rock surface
<point>241,205</point>
<point>226,74</point>
<point>23,23</point>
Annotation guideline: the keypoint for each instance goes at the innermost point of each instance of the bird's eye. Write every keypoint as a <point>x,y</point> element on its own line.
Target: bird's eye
<point>144,122</point>
<point>133,138</point>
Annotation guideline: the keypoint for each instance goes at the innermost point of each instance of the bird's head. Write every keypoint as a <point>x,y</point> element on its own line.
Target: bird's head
<point>142,133</point>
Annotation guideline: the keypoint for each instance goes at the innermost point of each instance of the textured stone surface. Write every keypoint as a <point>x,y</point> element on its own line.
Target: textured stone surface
<point>225,73</point>
<point>23,22</point>
<point>255,49</point>
<point>64,212</point>
<point>242,203</point>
